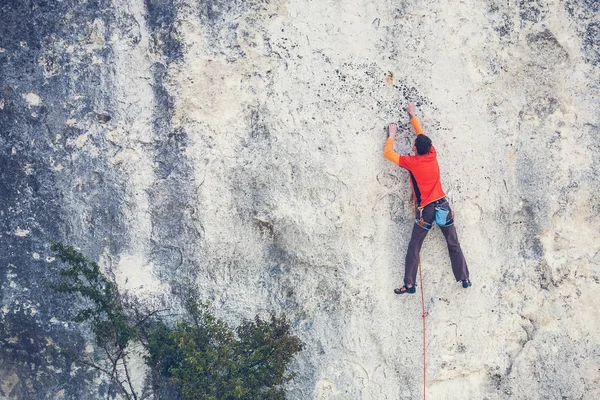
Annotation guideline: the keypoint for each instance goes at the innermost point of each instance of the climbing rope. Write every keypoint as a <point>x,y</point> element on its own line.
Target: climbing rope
<point>424,315</point>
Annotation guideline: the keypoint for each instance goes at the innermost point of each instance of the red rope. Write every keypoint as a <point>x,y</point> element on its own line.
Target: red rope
<point>424,313</point>
<point>424,343</point>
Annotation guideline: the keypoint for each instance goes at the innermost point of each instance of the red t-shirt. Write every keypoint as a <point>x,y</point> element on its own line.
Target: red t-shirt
<point>424,170</point>
<point>425,176</point>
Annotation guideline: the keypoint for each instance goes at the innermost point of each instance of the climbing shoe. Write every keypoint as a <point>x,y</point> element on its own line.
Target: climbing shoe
<point>466,283</point>
<point>405,289</point>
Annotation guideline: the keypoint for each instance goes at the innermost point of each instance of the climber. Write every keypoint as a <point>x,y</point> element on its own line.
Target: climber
<point>430,202</point>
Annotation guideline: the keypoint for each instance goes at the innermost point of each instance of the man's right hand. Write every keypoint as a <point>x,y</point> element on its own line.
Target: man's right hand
<point>392,130</point>
<point>411,108</point>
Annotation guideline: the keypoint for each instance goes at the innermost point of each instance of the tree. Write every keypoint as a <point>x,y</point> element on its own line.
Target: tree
<point>200,355</point>
<point>209,360</point>
<point>113,327</point>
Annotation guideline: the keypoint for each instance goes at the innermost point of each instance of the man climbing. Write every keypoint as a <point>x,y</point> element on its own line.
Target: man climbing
<point>430,201</point>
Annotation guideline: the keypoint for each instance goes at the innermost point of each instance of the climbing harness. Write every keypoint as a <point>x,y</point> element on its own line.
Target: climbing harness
<point>421,221</point>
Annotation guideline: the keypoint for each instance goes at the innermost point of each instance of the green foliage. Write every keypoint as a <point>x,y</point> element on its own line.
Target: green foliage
<point>266,348</point>
<point>203,357</point>
<point>106,313</point>
<point>207,360</point>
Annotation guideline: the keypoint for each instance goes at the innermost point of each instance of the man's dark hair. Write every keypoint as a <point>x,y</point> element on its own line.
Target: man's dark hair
<point>423,144</point>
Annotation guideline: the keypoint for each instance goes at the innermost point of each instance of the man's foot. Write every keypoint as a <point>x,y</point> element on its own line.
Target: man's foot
<point>466,283</point>
<point>405,289</point>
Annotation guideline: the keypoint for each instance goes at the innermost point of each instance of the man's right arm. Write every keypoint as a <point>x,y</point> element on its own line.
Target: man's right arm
<point>411,108</point>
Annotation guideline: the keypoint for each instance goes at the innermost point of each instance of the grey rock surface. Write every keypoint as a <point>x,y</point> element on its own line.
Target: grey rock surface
<point>238,145</point>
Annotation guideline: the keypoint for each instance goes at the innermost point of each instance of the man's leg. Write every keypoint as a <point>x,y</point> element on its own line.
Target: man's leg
<point>412,254</point>
<point>459,264</point>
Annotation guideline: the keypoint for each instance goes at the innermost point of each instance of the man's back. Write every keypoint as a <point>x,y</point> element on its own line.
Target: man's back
<point>424,170</point>
<point>425,176</point>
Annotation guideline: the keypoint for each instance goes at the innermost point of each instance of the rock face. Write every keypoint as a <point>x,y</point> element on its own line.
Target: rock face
<point>238,145</point>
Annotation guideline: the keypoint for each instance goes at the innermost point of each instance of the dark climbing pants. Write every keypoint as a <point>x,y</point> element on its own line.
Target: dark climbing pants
<point>424,222</point>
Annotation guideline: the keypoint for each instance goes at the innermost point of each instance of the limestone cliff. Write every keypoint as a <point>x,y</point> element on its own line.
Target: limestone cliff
<point>238,145</point>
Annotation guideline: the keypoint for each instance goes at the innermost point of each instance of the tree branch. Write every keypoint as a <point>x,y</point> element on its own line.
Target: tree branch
<point>128,377</point>
<point>149,315</point>
<point>115,372</point>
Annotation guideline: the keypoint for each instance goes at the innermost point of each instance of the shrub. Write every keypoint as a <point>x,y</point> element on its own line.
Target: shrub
<point>209,360</point>
<point>201,356</point>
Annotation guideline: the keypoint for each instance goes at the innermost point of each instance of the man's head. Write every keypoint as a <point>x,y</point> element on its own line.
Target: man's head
<point>422,144</point>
